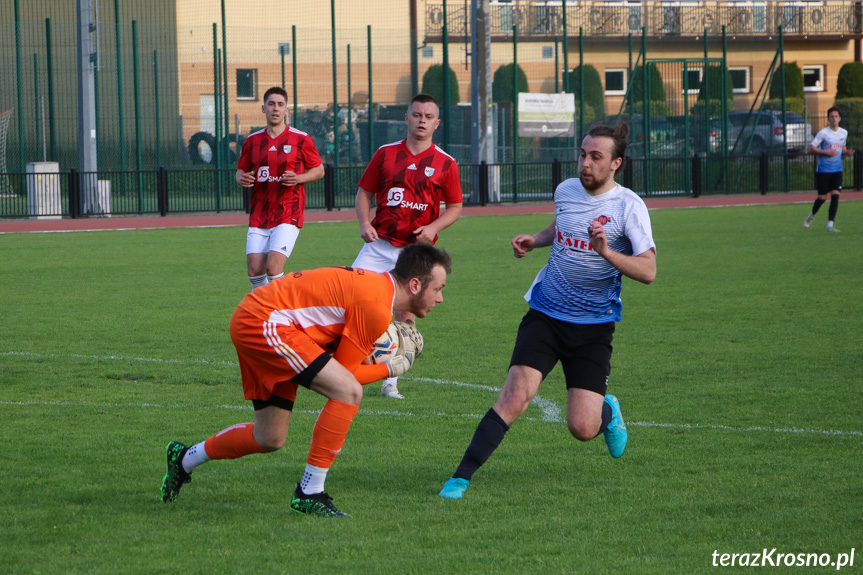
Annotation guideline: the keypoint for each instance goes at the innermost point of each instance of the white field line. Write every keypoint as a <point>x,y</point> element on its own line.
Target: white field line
<point>551,412</point>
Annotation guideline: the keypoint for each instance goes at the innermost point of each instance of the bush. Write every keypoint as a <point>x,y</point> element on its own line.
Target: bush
<point>657,88</point>
<point>593,94</point>
<point>851,110</point>
<point>657,109</point>
<point>713,80</point>
<point>501,84</point>
<point>850,81</point>
<point>793,82</point>
<point>433,84</point>
<point>791,105</point>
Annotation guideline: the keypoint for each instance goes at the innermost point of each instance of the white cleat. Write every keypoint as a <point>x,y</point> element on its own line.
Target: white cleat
<point>808,221</point>
<point>391,391</point>
<point>832,229</point>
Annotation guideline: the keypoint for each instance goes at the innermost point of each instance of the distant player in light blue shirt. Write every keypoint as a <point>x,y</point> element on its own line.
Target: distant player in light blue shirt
<point>829,145</point>
<point>600,233</point>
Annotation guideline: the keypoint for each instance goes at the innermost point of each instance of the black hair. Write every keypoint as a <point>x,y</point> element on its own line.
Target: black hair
<point>276,90</point>
<point>418,261</point>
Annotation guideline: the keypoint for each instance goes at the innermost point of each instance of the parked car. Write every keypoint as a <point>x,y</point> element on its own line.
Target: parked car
<point>758,132</point>
<point>663,137</point>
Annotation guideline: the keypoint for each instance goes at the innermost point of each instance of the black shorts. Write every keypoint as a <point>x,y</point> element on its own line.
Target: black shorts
<point>584,351</point>
<point>828,181</point>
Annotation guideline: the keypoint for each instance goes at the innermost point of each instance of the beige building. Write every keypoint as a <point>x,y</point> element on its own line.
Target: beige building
<point>263,40</point>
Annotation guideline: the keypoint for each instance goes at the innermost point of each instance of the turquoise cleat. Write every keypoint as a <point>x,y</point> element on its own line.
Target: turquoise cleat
<point>615,435</point>
<point>454,488</point>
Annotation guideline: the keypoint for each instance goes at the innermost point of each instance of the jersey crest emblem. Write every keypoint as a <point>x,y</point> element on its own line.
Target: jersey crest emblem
<point>286,149</point>
<point>602,219</point>
<point>429,172</point>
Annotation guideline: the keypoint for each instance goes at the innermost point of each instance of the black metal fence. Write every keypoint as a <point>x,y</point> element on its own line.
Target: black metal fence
<point>170,191</point>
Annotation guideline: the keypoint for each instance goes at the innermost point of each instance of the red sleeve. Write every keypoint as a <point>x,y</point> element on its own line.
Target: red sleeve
<point>371,179</point>
<point>452,186</point>
<point>311,157</point>
<point>245,161</point>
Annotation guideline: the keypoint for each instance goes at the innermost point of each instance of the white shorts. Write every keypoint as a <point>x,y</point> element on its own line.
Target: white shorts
<point>281,239</point>
<point>379,256</point>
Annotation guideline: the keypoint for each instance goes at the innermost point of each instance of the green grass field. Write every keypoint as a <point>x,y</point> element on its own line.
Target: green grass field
<point>739,373</point>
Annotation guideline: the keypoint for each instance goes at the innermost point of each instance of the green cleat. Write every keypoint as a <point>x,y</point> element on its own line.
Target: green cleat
<point>176,475</point>
<point>320,504</point>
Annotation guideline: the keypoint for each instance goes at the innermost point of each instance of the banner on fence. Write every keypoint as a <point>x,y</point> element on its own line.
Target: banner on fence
<point>546,115</point>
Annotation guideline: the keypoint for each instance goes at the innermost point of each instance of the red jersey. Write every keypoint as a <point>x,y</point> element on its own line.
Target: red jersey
<point>409,189</point>
<point>272,203</point>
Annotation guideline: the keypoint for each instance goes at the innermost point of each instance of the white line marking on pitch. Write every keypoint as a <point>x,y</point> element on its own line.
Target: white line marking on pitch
<point>550,410</point>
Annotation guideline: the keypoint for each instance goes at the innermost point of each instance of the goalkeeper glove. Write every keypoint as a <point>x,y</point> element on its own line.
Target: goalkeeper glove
<point>399,365</point>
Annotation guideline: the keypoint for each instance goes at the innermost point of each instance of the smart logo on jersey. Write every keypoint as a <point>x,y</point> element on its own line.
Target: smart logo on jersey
<point>264,175</point>
<point>396,198</point>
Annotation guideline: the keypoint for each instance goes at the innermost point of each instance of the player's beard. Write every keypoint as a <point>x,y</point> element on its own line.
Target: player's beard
<point>418,305</point>
<point>593,183</point>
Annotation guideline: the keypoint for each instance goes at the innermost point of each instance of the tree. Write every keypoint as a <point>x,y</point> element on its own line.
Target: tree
<point>793,82</point>
<point>849,84</point>
<point>593,95</point>
<point>501,84</point>
<point>433,84</point>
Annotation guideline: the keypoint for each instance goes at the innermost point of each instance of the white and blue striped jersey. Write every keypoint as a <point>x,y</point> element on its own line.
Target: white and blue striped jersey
<point>578,285</point>
<point>827,139</point>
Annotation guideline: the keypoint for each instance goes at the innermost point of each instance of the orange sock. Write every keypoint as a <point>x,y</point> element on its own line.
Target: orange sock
<point>330,431</point>
<point>234,442</point>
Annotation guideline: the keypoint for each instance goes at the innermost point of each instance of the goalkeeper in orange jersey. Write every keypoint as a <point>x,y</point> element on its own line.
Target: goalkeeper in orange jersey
<point>314,329</point>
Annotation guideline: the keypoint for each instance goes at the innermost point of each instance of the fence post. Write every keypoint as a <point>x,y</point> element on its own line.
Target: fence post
<point>483,183</point>
<point>628,175</point>
<point>74,205</point>
<point>696,176</point>
<point>858,169</point>
<point>329,187</point>
<point>763,173</point>
<point>162,191</point>
<point>556,177</point>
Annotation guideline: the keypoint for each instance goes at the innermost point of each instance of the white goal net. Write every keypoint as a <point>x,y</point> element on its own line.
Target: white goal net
<point>5,186</point>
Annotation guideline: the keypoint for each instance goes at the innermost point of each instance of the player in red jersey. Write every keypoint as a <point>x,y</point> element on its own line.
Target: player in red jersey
<point>278,161</point>
<point>285,334</point>
<point>408,180</point>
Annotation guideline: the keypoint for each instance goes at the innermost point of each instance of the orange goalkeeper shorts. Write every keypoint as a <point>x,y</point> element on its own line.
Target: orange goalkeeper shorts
<point>274,358</point>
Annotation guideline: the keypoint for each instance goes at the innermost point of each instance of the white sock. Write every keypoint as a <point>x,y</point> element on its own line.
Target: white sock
<point>195,457</point>
<point>313,479</point>
<point>393,381</point>
<point>258,281</point>
<point>830,224</point>
<point>271,278</point>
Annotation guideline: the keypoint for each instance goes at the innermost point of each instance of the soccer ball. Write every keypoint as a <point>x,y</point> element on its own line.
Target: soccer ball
<point>386,346</point>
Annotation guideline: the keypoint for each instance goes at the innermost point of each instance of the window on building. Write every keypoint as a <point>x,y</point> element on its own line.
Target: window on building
<point>813,78</point>
<point>284,48</point>
<point>548,51</point>
<point>693,80</point>
<point>740,79</point>
<point>247,84</point>
<point>615,81</point>
<point>428,51</point>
